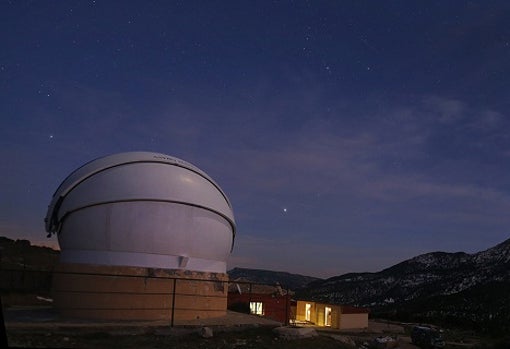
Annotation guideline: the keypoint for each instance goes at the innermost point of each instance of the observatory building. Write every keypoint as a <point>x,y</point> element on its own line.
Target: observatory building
<point>143,236</point>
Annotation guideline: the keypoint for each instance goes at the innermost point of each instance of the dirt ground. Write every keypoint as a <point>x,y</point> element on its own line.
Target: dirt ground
<point>40,327</point>
<point>186,338</point>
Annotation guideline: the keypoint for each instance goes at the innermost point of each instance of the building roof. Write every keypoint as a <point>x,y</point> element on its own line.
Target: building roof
<point>145,210</point>
<point>197,197</point>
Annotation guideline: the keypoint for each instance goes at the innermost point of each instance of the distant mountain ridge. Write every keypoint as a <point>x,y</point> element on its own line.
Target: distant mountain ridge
<point>461,287</point>
<point>471,290</point>
<point>16,254</point>
<point>285,279</point>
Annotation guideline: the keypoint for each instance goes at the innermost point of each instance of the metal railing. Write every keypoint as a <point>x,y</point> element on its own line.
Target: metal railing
<point>276,300</point>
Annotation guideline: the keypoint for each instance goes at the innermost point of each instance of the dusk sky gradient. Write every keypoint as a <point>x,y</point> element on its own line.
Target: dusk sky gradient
<point>348,135</point>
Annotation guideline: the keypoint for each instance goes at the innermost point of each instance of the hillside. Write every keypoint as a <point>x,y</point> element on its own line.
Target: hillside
<point>25,271</point>
<point>20,254</point>
<point>286,280</point>
<point>460,288</point>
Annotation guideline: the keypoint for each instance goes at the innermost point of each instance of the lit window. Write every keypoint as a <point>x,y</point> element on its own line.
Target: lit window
<point>308,311</point>
<point>327,316</point>
<point>256,308</point>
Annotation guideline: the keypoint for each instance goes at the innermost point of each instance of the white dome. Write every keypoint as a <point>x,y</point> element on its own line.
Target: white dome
<point>142,209</point>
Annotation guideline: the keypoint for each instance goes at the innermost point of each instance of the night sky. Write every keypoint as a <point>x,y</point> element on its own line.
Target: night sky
<point>348,135</point>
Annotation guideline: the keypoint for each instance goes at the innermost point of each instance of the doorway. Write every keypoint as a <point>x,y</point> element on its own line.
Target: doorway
<point>327,316</point>
<point>308,311</point>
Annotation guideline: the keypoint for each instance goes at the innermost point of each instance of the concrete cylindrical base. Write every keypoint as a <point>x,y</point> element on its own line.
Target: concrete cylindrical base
<point>134,293</point>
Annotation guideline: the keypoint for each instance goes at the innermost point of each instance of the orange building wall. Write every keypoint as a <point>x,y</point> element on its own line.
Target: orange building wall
<point>135,293</point>
<point>300,311</point>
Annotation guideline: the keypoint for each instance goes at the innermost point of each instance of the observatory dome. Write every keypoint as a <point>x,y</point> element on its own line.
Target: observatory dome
<point>142,209</point>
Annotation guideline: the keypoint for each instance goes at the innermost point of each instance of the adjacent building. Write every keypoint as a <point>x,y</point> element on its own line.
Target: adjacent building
<point>277,303</point>
<point>272,302</point>
<point>342,317</point>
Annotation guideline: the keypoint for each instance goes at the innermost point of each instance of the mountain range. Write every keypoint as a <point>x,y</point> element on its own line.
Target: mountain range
<point>286,280</point>
<point>424,276</point>
<point>468,290</point>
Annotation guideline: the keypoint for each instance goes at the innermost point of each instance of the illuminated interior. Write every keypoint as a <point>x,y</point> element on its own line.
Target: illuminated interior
<point>256,308</point>
<point>308,311</point>
<point>327,316</point>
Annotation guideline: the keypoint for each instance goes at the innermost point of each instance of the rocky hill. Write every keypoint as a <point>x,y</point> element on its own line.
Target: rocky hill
<point>286,280</point>
<point>467,289</point>
<point>25,269</point>
<point>21,254</point>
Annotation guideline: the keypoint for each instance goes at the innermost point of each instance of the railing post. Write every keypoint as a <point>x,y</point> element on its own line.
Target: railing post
<point>173,303</point>
<point>3,339</point>
<point>249,298</point>
<point>287,300</point>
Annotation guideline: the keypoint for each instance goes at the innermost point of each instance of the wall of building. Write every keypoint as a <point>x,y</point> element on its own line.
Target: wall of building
<point>336,316</point>
<point>319,314</point>
<point>301,311</point>
<point>136,293</point>
<point>353,321</point>
<point>340,318</point>
<point>276,307</point>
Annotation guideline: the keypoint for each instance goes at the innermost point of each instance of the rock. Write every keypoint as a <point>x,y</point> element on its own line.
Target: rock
<point>239,343</point>
<point>343,339</point>
<point>295,332</point>
<point>206,332</point>
<point>385,342</point>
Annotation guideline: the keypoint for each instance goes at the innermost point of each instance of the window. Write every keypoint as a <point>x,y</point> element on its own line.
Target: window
<point>327,316</point>
<point>308,311</point>
<point>256,308</point>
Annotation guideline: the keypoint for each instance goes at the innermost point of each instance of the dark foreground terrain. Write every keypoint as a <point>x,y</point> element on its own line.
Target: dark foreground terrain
<point>261,337</point>
<point>255,337</point>
<point>45,333</point>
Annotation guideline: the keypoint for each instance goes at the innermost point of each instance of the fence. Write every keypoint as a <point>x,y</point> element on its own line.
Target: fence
<point>25,281</point>
<point>148,294</point>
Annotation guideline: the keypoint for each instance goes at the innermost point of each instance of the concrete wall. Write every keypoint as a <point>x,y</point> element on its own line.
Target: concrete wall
<point>353,321</point>
<point>137,293</point>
